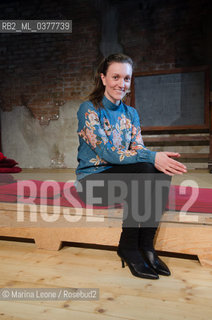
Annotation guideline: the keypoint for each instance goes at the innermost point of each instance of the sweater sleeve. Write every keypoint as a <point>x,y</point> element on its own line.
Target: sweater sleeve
<point>137,140</point>
<point>92,132</point>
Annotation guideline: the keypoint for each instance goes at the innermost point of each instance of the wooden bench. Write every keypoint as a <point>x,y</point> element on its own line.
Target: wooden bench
<point>178,232</point>
<point>185,140</point>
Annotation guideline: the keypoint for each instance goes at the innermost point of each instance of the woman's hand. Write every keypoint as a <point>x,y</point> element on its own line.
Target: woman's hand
<point>164,163</point>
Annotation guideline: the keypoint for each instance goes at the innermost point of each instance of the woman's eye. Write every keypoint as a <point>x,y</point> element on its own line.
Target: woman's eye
<point>115,77</point>
<point>127,79</point>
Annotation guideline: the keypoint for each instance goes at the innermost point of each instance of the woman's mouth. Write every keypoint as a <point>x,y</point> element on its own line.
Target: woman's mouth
<point>119,91</point>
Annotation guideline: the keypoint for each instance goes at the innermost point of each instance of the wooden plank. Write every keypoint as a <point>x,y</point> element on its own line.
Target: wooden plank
<point>26,310</point>
<point>9,212</point>
<point>194,157</point>
<point>176,140</point>
<point>187,291</point>
<point>106,229</point>
<point>190,239</point>
<point>173,237</point>
<point>17,207</point>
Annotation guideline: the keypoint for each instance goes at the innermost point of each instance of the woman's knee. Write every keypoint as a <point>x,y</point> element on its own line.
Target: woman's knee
<point>149,168</point>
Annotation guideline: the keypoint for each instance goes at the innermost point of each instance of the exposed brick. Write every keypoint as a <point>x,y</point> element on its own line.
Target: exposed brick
<point>42,71</point>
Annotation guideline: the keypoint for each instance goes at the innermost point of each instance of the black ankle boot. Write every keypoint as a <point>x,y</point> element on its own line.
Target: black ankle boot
<point>149,253</point>
<point>129,252</point>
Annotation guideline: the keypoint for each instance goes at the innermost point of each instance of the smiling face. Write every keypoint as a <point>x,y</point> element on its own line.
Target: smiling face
<point>117,81</point>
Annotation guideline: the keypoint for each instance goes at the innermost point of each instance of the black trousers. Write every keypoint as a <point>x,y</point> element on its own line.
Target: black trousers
<point>140,188</point>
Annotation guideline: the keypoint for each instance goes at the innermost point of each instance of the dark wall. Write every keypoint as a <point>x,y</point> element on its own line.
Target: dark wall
<point>43,71</point>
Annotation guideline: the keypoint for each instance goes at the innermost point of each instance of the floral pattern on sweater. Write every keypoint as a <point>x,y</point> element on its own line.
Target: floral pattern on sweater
<point>107,136</point>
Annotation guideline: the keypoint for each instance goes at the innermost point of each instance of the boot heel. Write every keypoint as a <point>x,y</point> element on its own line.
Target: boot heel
<point>136,264</point>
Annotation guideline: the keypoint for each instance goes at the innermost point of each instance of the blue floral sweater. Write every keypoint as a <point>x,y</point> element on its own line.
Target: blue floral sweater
<point>108,136</point>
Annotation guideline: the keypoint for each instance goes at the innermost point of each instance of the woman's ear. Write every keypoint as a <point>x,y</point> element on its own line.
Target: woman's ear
<point>103,78</point>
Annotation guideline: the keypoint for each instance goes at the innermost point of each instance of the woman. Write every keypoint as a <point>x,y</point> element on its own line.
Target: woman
<point>111,149</point>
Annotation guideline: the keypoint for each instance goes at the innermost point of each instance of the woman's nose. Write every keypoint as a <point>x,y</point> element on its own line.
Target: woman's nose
<point>121,83</point>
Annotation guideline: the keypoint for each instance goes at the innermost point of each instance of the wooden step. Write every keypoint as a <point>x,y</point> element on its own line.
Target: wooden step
<point>176,140</point>
<point>194,157</point>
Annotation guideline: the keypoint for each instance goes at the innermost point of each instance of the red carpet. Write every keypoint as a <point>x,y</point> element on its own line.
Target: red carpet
<point>190,199</point>
<point>187,199</point>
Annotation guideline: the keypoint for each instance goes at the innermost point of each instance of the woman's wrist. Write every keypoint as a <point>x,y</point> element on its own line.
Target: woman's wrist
<point>149,157</point>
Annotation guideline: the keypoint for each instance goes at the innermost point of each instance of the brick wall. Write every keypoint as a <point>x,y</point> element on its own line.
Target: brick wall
<point>47,72</point>
<point>43,71</point>
<point>166,34</point>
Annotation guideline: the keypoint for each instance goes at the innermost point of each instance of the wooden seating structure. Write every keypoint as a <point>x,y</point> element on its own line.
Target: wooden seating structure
<point>178,232</point>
